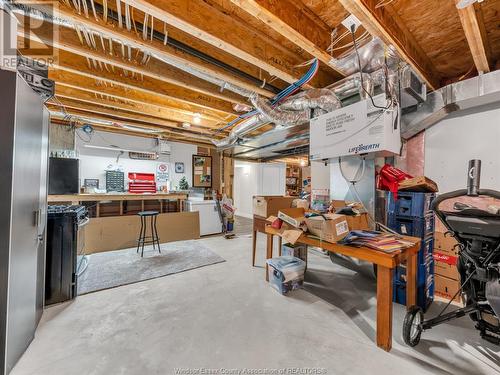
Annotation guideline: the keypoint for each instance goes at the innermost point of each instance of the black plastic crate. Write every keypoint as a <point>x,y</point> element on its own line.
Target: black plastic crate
<point>410,204</point>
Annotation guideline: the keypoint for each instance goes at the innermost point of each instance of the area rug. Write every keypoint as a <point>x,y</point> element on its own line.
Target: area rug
<point>114,268</point>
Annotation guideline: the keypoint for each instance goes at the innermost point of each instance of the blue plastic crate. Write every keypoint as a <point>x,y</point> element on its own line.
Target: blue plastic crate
<point>410,204</point>
<point>426,249</point>
<point>416,227</point>
<point>425,273</point>
<point>425,295</point>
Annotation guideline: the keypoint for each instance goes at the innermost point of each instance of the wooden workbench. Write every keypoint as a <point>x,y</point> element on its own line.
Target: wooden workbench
<point>117,204</point>
<point>386,262</point>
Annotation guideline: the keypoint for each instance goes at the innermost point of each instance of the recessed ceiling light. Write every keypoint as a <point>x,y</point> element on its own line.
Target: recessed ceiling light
<point>196,118</point>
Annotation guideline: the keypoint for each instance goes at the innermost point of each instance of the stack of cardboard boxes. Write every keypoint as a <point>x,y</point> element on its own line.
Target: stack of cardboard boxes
<point>446,277</point>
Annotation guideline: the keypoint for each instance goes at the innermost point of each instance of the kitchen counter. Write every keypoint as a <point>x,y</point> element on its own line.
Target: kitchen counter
<point>114,197</point>
<point>119,204</point>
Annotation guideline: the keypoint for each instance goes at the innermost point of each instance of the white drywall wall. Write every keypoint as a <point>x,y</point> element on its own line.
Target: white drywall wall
<point>256,179</point>
<point>320,175</point>
<point>451,143</point>
<point>94,162</point>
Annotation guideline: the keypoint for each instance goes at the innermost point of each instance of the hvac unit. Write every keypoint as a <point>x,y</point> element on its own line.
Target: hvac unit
<point>164,147</point>
<point>360,128</point>
<point>413,89</point>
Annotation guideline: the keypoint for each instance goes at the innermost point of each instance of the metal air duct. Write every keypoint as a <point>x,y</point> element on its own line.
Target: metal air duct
<point>471,93</point>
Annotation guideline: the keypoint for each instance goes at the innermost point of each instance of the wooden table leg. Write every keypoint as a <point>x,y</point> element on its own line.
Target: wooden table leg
<point>384,308</point>
<point>254,247</point>
<point>269,252</point>
<point>411,280</point>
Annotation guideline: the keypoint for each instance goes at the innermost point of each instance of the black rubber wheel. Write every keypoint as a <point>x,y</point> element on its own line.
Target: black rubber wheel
<point>412,326</point>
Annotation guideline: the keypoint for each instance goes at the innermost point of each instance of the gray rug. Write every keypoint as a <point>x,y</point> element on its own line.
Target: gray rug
<point>114,268</point>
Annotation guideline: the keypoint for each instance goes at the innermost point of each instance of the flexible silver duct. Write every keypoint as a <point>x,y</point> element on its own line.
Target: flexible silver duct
<point>315,98</point>
<point>178,63</point>
<point>278,115</point>
<point>351,85</point>
<point>294,110</point>
<point>372,57</point>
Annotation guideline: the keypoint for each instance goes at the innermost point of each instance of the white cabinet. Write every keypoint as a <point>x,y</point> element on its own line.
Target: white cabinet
<point>209,217</point>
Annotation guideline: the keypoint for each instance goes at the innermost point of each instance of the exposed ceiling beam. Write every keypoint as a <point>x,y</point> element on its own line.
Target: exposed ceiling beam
<point>96,86</point>
<point>476,39</point>
<point>174,56</point>
<point>68,41</point>
<point>90,97</point>
<point>179,40</point>
<point>225,31</point>
<point>101,107</point>
<point>150,87</point>
<point>386,24</point>
<point>294,21</point>
<point>95,120</point>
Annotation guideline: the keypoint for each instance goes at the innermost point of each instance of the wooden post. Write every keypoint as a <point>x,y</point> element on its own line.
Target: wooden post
<point>384,308</point>
<point>411,280</point>
<point>269,252</point>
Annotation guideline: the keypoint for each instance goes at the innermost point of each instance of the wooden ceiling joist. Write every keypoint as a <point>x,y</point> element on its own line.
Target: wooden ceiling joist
<point>118,112</point>
<point>295,22</point>
<point>177,57</point>
<point>225,31</point>
<point>76,65</point>
<point>476,38</point>
<point>385,23</point>
<point>122,103</point>
<point>96,86</point>
<point>95,120</point>
<point>68,41</point>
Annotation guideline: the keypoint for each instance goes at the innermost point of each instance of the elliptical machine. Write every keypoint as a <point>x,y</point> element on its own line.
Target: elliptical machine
<point>477,232</point>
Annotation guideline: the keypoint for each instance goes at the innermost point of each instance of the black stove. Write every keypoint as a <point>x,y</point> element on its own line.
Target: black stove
<point>79,212</point>
<point>65,245</point>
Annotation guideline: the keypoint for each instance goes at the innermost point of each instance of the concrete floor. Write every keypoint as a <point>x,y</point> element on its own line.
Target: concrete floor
<point>225,316</point>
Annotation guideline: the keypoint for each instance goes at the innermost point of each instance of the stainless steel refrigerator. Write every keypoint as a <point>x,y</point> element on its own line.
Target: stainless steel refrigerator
<point>24,125</point>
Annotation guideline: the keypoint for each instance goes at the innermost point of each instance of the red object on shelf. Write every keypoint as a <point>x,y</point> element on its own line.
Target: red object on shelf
<point>389,178</point>
<point>141,183</point>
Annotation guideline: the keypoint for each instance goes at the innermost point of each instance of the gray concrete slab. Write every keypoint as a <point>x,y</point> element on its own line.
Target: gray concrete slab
<point>226,316</point>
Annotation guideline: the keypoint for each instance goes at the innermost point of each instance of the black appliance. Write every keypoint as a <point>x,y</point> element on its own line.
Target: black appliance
<point>65,241</point>
<point>63,176</point>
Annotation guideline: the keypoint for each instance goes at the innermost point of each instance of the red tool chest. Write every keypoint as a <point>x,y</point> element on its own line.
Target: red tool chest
<point>141,183</point>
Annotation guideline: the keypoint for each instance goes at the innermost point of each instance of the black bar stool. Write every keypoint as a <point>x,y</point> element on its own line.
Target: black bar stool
<point>143,239</point>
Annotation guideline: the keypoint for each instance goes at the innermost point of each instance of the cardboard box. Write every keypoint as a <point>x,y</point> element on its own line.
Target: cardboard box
<point>358,222</point>
<point>420,183</point>
<point>445,265</point>
<point>446,288</point>
<point>292,250</point>
<point>333,229</point>
<point>445,244</point>
<point>267,205</point>
<point>293,216</point>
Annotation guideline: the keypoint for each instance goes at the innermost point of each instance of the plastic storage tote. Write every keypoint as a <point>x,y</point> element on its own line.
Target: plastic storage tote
<point>286,273</point>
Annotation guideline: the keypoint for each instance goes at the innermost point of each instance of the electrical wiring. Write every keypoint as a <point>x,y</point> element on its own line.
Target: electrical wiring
<point>290,90</point>
<point>361,75</point>
<point>352,184</point>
